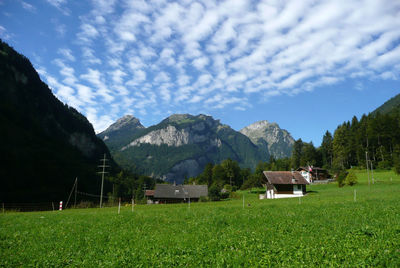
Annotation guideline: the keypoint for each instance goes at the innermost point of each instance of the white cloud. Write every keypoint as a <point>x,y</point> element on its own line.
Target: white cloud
<point>27,6</point>
<point>87,33</point>
<point>67,53</point>
<point>117,76</point>
<point>61,29</point>
<point>60,5</point>
<point>56,3</point>
<point>4,34</point>
<point>94,77</point>
<point>200,62</point>
<point>218,53</point>
<point>89,56</point>
<point>162,77</point>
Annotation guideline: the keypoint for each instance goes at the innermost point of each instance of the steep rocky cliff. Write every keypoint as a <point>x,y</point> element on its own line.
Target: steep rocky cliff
<point>182,144</point>
<point>270,137</point>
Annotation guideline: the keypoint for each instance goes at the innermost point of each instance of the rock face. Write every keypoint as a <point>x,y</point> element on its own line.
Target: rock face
<point>127,121</point>
<point>182,144</point>
<point>172,136</point>
<point>270,137</point>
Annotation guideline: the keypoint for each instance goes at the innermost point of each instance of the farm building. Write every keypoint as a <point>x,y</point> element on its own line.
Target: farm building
<point>167,193</point>
<point>283,184</point>
<point>313,173</point>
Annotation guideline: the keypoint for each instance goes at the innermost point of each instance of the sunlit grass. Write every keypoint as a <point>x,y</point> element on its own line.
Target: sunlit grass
<point>326,227</point>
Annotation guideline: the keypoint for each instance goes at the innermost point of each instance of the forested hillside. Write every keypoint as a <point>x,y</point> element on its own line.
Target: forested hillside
<point>44,144</point>
<point>388,106</point>
<point>375,137</point>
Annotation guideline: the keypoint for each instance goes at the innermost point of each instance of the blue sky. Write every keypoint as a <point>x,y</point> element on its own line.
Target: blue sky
<point>306,65</point>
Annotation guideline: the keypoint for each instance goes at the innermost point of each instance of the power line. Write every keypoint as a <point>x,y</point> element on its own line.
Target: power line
<point>91,195</point>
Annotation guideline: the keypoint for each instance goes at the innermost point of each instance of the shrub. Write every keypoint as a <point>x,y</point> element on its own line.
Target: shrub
<point>234,195</point>
<point>224,195</point>
<point>351,178</point>
<point>341,177</point>
<point>384,165</point>
<point>204,199</point>
<point>214,193</point>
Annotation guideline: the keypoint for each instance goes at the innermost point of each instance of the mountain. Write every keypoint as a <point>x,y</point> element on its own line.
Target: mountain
<point>182,144</point>
<point>270,138</point>
<point>44,144</point>
<point>388,106</point>
<point>121,132</point>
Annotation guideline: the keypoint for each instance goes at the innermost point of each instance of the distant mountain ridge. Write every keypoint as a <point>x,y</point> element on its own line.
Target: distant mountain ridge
<point>182,144</point>
<point>44,144</point>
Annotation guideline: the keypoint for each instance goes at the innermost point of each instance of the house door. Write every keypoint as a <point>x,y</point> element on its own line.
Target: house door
<point>297,189</point>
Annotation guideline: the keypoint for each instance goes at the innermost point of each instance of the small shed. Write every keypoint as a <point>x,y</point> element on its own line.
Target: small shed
<point>167,193</point>
<point>284,184</point>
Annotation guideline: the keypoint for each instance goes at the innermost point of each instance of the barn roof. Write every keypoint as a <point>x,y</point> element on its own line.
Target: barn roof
<point>284,177</point>
<point>180,191</point>
<point>149,193</point>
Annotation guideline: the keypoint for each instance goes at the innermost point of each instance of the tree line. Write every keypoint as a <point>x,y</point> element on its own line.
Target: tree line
<point>374,138</point>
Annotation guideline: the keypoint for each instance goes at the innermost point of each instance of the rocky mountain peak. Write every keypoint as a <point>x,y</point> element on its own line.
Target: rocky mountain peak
<point>257,125</point>
<point>123,122</point>
<point>277,141</point>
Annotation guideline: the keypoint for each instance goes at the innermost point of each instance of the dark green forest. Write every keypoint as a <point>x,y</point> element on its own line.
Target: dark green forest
<point>44,144</point>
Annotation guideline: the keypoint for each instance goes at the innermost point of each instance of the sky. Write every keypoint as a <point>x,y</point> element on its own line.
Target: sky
<point>307,65</point>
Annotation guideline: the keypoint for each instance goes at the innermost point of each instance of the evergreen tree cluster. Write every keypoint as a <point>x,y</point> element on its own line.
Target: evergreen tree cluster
<point>374,138</point>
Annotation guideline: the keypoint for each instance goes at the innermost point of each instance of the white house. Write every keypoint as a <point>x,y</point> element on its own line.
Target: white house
<point>284,184</point>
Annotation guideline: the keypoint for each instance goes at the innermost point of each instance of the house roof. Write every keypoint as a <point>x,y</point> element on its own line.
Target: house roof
<point>180,191</point>
<point>149,193</point>
<point>284,177</point>
<point>313,169</point>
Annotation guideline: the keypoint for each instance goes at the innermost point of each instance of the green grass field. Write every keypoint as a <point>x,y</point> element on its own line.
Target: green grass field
<point>325,228</point>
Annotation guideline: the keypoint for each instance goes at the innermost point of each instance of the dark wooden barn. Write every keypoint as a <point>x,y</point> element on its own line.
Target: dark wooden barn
<point>167,193</point>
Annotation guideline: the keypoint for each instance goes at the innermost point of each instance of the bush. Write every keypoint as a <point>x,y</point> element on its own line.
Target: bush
<point>204,199</point>
<point>341,177</point>
<point>214,193</point>
<point>234,195</point>
<point>384,165</point>
<point>351,178</point>
<point>225,195</point>
<point>228,188</point>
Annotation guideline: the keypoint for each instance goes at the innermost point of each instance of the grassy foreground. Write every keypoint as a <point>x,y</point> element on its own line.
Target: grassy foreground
<point>325,228</point>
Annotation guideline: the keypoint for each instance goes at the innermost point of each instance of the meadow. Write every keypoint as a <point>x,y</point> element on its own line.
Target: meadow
<point>325,228</point>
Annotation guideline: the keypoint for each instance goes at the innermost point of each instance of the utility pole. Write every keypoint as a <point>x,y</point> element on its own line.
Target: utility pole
<point>103,166</point>
<point>366,160</point>
<point>76,189</point>
<point>372,171</point>
<point>144,190</point>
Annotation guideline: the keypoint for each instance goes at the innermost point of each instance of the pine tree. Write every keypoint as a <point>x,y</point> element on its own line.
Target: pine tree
<point>297,153</point>
<point>327,150</point>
